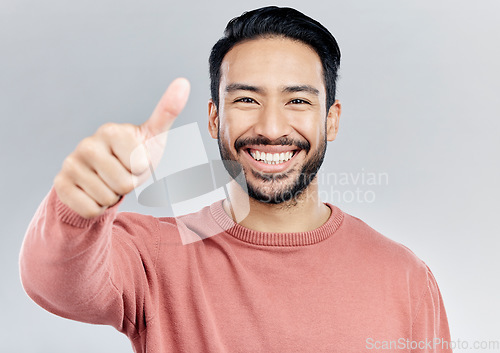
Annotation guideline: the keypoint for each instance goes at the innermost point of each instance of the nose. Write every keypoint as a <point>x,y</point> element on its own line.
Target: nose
<point>272,123</point>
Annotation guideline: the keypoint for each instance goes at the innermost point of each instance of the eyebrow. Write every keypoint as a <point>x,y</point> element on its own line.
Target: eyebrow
<point>242,87</point>
<point>288,89</point>
<point>301,88</point>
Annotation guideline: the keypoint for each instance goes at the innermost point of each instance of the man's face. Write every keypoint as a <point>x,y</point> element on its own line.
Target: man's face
<point>272,117</point>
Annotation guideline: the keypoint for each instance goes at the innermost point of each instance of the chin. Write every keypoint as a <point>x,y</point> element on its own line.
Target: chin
<point>277,189</point>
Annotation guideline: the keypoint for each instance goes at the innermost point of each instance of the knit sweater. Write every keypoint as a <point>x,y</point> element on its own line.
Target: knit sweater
<point>342,287</point>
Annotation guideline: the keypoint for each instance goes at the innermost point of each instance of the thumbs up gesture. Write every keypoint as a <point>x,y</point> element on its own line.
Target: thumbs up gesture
<point>117,158</point>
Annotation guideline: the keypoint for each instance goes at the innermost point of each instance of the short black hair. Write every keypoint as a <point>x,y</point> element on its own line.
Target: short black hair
<point>282,22</point>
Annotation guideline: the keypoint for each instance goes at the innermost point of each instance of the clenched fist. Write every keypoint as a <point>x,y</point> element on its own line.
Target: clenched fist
<point>117,158</point>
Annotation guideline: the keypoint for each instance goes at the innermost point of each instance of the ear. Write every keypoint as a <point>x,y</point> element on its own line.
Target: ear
<point>213,119</point>
<point>332,121</point>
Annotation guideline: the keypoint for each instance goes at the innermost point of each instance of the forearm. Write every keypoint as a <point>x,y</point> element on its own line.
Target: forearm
<point>65,262</point>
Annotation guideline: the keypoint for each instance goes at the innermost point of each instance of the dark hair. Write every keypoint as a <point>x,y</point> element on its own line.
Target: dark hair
<point>284,22</point>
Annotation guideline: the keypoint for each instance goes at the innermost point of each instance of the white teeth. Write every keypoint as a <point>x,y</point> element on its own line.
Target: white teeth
<point>271,158</point>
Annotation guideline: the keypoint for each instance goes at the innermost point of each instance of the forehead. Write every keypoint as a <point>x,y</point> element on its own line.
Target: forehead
<point>272,62</point>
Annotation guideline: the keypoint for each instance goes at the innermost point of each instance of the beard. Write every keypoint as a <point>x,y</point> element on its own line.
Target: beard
<point>274,188</point>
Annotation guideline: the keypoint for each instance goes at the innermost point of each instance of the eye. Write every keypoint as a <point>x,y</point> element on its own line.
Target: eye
<point>299,101</point>
<point>245,100</point>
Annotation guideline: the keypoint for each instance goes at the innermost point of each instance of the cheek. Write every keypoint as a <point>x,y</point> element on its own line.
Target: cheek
<point>228,133</point>
<point>311,127</point>
<point>224,134</point>
<point>234,126</point>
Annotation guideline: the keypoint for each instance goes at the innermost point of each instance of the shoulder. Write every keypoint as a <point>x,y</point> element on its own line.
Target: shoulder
<point>192,227</point>
<point>135,224</point>
<point>178,230</point>
<point>386,265</point>
<point>137,232</point>
<point>376,250</point>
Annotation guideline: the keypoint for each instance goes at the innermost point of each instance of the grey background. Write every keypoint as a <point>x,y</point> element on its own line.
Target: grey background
<point>419,85</point>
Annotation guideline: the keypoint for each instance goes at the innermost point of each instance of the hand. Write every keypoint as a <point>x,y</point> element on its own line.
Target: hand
<point>113,161</point>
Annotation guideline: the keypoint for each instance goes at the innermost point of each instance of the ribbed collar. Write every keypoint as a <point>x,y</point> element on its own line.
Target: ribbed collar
<point>277,239</point>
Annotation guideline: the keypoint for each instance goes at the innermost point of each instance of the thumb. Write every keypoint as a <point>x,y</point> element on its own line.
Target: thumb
<point>168,108</point>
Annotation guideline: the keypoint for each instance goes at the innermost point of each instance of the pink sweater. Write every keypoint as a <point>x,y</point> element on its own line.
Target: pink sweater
<point>342,287</point>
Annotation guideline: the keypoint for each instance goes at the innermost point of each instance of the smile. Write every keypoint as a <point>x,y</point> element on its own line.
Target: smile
<point>271,158</point>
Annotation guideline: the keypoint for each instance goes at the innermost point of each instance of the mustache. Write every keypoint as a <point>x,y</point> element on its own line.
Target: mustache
<point>261,140</point>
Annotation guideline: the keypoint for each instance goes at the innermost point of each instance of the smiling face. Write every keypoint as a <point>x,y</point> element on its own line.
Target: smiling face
<point>272,117</point>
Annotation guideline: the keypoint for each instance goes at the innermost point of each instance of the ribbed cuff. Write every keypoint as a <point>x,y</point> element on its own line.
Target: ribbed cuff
<point>69,216</point>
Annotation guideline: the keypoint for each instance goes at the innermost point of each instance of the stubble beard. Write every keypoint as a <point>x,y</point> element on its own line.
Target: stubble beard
<point>275,188</point>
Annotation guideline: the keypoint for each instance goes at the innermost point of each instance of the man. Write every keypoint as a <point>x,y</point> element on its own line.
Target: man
<point>276,270</point>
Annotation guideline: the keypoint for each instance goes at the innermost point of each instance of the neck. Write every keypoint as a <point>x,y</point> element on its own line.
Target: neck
<point>304,213</point>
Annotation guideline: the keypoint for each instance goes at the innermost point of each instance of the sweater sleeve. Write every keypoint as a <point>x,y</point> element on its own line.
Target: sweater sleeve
<point>430,330</point>
<point>91,270</point>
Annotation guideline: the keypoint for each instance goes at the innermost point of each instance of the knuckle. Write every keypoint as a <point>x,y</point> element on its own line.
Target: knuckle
<point>71,169</point>
<point>69,163</point>
<point>124,187</point>
<point>59,183</point>
<point>63,188</point>
<point>109,129</point>
<point>62,183</point>
<point>87,147</point>
<point>130,130</point>
<point>109,200</point>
